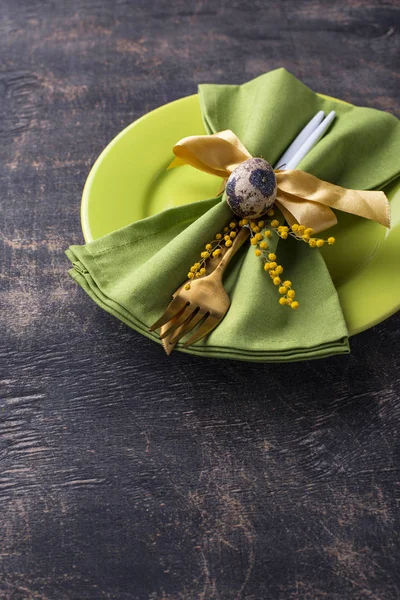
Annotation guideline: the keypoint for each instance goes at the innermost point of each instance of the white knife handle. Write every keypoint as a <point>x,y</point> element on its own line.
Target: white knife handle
<point>299,140</point>
<point>311,141</point>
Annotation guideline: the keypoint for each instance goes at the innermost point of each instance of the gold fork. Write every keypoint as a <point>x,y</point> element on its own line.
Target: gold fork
<point>170,340</point>
<point>205,304</point>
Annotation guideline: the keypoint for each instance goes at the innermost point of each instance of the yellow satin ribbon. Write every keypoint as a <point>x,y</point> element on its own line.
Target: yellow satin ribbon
<point>301,197</point>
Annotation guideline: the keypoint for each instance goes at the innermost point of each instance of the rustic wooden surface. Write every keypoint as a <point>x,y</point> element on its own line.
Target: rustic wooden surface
<point>128,475</point>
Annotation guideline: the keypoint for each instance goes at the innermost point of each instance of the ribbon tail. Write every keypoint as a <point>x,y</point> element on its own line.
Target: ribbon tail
<point>311,214</point>
<point>300,185</point>
<point>378,207</point>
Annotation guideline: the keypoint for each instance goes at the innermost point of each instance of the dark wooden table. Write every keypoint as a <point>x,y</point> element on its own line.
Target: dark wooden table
<point>128,475</point>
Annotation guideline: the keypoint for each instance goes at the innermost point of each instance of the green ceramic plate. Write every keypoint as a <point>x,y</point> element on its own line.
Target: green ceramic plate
<point>129,181</point>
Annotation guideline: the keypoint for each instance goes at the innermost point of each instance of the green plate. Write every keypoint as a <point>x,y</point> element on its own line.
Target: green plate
<point>129,181</point>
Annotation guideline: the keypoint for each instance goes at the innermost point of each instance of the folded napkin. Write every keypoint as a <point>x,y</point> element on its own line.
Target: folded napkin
<point>133,272</point>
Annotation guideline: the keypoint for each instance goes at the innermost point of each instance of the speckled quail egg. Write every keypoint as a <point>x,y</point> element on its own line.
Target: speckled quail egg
<point>251,188</point>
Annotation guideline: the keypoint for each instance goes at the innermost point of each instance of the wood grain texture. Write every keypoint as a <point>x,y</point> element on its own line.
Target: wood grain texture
<point>128,475</point>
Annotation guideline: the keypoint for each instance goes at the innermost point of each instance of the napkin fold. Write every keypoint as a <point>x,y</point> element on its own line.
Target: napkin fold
<point>133,272</point>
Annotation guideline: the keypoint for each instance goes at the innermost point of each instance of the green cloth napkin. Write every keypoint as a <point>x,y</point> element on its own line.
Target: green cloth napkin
<point>133,272</point>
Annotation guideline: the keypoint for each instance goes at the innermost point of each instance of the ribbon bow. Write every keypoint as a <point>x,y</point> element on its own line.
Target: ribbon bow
<point>301,197</point>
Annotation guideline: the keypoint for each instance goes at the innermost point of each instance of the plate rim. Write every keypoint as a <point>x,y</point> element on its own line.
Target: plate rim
<point>84,209</point>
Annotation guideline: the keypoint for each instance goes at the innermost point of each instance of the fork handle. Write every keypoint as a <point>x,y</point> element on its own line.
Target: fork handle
<point>225,260</point>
